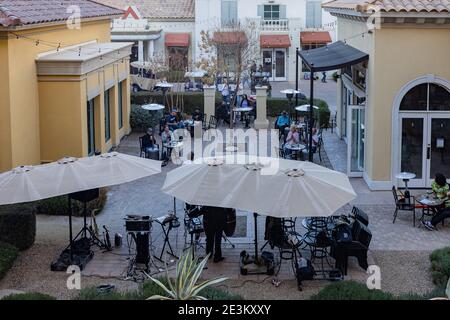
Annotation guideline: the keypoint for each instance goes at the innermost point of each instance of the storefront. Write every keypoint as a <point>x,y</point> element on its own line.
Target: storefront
<point>274,53</point>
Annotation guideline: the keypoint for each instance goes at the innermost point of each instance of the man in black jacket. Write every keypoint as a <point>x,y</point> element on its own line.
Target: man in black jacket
<point>215,219</point>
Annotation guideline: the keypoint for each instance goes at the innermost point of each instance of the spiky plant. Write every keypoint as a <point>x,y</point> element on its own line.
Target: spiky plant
<point>185,285</point>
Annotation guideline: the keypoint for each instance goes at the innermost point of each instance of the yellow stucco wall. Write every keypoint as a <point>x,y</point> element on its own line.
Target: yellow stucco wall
<point>45,119</point>
<point>397,56</point>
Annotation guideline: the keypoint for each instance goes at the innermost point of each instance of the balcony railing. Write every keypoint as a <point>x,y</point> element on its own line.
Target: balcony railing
<point>275,25</point>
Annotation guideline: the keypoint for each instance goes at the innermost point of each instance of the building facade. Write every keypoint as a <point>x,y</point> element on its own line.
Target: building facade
<point>64,88</point>
<point>394,111</point>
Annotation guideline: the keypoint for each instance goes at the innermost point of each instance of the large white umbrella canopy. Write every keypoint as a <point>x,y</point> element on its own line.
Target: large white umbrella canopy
<point>142,65</point>
<point>305,108</point>
<point>70,175</point>
<point>268,186</point>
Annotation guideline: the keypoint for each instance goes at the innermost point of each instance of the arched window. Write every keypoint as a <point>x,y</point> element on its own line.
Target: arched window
<point>439,98</point>
<point>426,97</point>
<point>416,99</point>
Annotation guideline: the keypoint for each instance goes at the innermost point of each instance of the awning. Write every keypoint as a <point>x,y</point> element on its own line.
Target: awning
<point>274,41</point>
<point>314,37</point>
<point>177,39</point>
<point>231,37</point>
<point>331,57</point>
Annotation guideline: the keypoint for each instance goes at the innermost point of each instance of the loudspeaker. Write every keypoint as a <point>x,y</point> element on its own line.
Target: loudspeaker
<point>86,195</point>
<point>361,233</point>
<point>142,249</point>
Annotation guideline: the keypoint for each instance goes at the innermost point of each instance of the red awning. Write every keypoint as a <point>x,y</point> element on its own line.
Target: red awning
<point>232,37</point>
<point>177,39</point>
<point>275,41</point>
<point>315,37</point>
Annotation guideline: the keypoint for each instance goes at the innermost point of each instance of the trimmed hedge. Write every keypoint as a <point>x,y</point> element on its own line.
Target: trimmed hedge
<point>351,290</point>
<point>148,289</point>
<point>18,225</point>
<point>140,119</point>
<point>29,296</point>
<point>60,205</point>
<point>440,266</point>
<point>8,254</point>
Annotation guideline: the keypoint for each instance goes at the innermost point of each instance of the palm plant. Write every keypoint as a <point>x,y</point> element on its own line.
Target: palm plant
<point>185,285</point>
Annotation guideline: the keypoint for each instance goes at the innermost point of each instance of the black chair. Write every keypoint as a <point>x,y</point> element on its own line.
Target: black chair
<point>212,122</point>
<point>205,122</point>
<point>403,204</point>
<point>143,150</point>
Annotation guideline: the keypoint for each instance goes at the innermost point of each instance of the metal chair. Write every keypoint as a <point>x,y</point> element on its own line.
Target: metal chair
<point>403,204</point>
<point>212,122</point>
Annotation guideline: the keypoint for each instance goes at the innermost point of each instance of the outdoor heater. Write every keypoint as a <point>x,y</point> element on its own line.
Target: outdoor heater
<point>290,95</point>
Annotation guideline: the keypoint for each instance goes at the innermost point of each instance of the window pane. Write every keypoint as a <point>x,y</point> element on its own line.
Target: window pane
<point>120,104</point>
<point>90,127</point>
<point>439,98</point>
<point>412,146</point>
<point>107,117</point>
<point>416,98</point>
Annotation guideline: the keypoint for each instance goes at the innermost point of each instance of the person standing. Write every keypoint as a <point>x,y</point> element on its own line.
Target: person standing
<point>324,77</point>
<point>226,92</point>
<point>215,219</point>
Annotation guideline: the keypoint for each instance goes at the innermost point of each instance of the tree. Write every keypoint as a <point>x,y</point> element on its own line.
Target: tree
<point>229,52</point>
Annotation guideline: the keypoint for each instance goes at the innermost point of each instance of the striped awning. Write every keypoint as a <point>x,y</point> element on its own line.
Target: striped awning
<point>275,41</point>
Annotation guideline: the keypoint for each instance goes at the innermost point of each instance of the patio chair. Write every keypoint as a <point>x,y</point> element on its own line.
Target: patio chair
<point>143,151</point>
<point>205,121</point>
<point>212,122</point>
<point>403,204</point>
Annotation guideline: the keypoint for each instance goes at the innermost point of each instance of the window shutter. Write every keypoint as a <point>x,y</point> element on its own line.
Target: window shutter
<point>309,14</point>
<point>317,14</point>
<point>260,10</point>
<point>283,11</point>
<point>233,12</point>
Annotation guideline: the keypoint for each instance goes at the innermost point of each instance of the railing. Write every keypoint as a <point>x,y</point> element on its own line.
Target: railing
<point>275,25</point>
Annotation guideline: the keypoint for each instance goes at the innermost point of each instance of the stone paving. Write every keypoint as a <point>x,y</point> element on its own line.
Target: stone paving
<point>144,197</point>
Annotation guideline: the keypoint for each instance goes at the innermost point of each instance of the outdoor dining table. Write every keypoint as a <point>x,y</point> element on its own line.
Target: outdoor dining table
<point>431,201</point>
<point>295,148</point>
<point>243,110</point>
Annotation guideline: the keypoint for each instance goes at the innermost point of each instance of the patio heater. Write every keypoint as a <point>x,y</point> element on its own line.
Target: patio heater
<point>290,95</point>
<point>165,86</point>
<point>152,109</point>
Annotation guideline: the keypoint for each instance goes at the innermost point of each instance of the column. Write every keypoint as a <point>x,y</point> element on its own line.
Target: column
<point>141,51</point>
<point>151,48</point>
<point>209,96</point>
<point>261,121</point>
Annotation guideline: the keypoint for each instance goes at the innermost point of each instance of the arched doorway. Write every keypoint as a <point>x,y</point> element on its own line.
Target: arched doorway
<point>423,132</point>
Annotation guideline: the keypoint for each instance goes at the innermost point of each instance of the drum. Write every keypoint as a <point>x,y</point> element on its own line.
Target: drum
<point>230,227</point>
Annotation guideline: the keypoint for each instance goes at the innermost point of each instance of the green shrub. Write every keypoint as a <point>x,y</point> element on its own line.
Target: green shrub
<point>141,120</point>
<point>335,76</point>
<point>18,225</point>
<point>148,289</point>
<point>440,266</point>
<point>29,296</point>
<point>60,205</point>
<point>350,290</point>
<point>8,254</point>
<point>277,105</point>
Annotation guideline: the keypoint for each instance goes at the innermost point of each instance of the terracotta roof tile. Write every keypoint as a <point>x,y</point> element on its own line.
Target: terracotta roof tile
<point>158,9</point>
<point>26,12</point>
<point>391,5</point>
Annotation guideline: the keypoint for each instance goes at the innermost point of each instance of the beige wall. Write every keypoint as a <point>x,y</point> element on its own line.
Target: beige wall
<point>397,56</point>
<point>40,120</point>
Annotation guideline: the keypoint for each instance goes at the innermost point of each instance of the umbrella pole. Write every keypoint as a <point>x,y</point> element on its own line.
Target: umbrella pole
<point>255,216</point>
<point>70,229</point>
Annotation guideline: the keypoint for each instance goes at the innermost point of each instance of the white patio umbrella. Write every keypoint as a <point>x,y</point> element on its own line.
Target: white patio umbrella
<point>305,108</point>
<point>69,175</point>
<point>142,65</point>
<point>268,186</point>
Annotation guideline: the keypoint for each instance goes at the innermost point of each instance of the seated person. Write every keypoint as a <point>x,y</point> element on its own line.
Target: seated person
<point>149,141</point>
<point>197,115</point>
<point>245,103</point>
<point>173,121</point>
<point>439,217</point>
<point>282,122</point>
<point>166,137</point>
<point>292,138</point>
<point>440,186</point>
<point>223,113</point>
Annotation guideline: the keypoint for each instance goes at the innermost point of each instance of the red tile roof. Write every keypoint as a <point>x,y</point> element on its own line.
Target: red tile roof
<point>406,6</point>
<point>158,9</point>
<point>26,12</point>
<point>275,41</point>
<point>177,39</point>
<point>315,37</point>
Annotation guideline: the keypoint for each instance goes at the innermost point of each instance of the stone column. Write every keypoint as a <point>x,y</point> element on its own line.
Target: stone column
<point>261,121</point>
<point>141,51</point>
<point>150,48</point>
<point>209,95</point>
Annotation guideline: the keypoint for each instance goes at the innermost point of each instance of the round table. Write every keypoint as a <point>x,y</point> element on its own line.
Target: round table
<point>430,200</point>
<point>243,110</point>
<point>295,148</point>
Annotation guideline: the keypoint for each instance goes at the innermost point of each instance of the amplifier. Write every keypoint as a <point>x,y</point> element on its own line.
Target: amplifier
<point>361,233</point>
<point>138,224</point>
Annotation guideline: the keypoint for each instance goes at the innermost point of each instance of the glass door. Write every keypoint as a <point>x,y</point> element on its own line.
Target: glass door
<point>438,146</point>
<point>267,62</point>
<point>355,140</point>
<point>280,65</point>
<point>91,127</point>
<point>413,155</point>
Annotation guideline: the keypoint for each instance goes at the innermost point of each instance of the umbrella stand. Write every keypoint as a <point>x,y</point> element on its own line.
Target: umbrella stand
<point>70,229</point>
